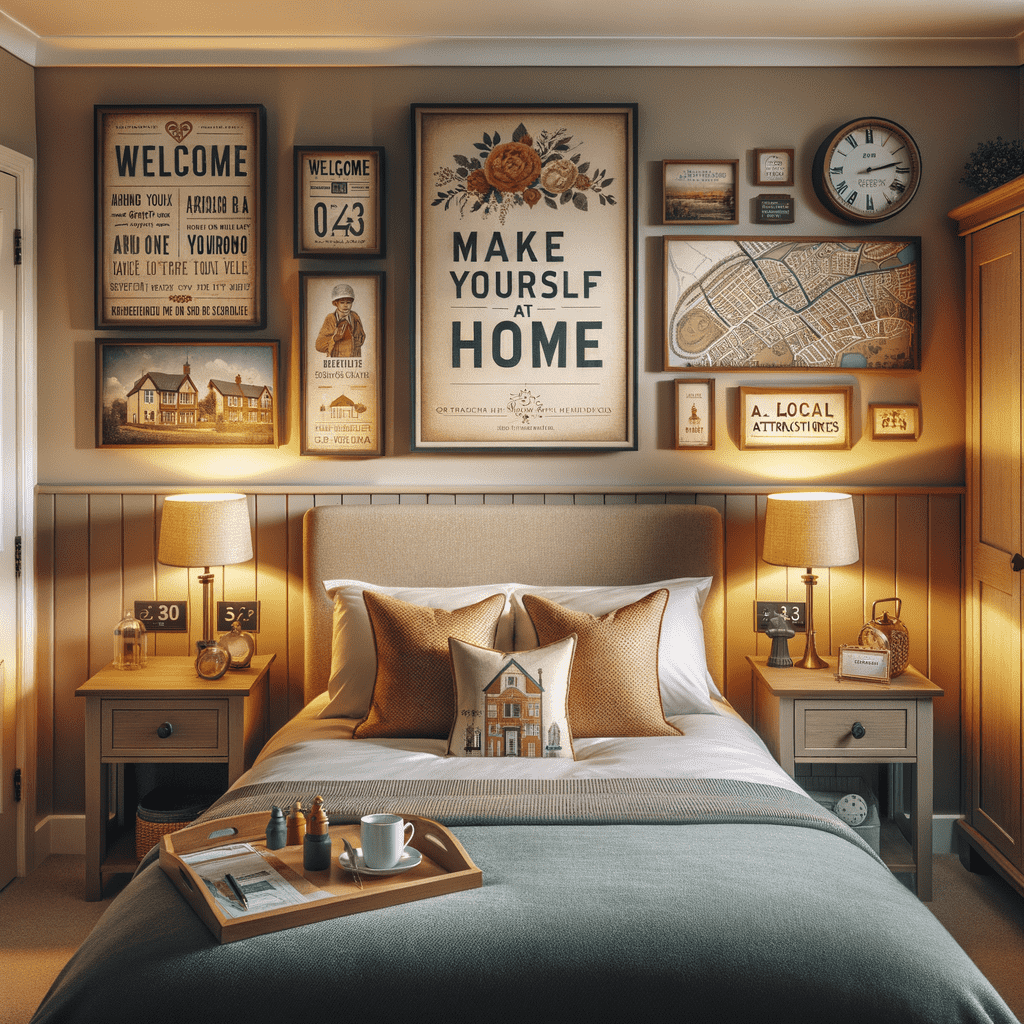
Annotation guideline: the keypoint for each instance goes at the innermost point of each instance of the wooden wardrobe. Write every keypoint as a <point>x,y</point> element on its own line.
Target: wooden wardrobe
<point>993,739</point>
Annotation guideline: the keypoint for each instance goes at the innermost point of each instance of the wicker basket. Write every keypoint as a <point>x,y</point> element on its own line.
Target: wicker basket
<point>165,810</point>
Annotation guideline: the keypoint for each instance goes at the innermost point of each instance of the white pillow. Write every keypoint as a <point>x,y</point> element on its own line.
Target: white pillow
<point>686,684</point>
<point>353,653</point>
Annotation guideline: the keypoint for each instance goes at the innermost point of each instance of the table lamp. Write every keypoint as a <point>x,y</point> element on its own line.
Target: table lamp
<point>812,528</point>
<point>204,530</point>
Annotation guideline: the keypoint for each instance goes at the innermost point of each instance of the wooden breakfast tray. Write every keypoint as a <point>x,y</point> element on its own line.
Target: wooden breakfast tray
<point>445,867</point>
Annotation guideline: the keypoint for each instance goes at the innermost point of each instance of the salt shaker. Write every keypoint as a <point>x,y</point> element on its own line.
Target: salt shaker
<point>277,829</point>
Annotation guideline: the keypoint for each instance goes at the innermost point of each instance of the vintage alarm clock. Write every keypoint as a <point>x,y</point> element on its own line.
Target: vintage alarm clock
<point>895,633</point>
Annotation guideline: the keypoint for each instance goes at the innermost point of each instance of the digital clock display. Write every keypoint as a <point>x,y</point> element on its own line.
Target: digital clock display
<point>163,616</point>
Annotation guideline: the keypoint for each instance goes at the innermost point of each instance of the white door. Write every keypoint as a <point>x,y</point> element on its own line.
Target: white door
<point>8,531</point>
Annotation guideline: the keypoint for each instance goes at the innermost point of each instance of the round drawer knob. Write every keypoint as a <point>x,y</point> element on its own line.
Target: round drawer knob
<point>858,731</point>
<point>165,730</point>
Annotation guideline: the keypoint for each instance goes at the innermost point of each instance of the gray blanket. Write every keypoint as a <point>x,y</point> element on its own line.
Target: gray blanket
<point>758,914</point>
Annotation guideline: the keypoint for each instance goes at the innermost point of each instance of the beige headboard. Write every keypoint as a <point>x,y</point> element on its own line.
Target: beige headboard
<point>460,545</point>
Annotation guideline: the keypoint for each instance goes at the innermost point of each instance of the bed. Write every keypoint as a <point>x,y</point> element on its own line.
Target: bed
<point>676,874</point>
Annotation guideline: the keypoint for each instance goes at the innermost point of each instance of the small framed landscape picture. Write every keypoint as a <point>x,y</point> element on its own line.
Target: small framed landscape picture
<point>695,414</point>
<point>773,167</point>
<point>699,191</point>
<point>187,394</point>
<point>895,422</point>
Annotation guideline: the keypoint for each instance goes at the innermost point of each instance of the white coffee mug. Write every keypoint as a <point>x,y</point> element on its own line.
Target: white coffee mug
<point>384,839</point>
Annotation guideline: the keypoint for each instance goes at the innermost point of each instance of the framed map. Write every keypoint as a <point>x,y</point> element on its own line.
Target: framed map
<point>792,303</point>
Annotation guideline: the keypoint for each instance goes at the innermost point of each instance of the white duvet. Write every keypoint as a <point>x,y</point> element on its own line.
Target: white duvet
<point>715,746</point>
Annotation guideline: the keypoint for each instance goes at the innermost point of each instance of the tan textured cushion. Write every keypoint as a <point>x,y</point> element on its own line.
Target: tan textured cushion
<point>511,704</point>
<point>414,693</point>
<point>614,687</point>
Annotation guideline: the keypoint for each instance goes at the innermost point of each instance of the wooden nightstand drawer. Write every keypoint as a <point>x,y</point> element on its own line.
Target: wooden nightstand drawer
<point>154,727</point>
<point>834,727</point>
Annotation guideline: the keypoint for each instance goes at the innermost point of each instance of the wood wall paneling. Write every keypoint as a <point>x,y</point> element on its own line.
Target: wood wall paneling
<point>96,554</point>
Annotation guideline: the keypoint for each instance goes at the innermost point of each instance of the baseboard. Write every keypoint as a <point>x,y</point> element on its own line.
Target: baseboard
<point>59,834</point>
<point>944,833</point>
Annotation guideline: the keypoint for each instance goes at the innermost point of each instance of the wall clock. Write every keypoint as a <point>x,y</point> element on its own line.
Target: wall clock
<point>867,170</point>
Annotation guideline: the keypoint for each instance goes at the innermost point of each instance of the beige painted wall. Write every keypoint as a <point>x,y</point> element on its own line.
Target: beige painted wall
<point>683,112</point>
<point>18,108</point>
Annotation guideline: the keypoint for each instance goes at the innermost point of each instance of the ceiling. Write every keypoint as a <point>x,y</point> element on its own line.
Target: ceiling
<point>50,33</point>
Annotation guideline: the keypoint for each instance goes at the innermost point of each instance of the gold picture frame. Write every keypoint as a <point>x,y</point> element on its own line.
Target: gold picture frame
<point>694,414</point>
<point>894,421</point>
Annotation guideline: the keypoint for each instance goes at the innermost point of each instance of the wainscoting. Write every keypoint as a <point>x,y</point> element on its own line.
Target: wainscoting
<point>96,555</point>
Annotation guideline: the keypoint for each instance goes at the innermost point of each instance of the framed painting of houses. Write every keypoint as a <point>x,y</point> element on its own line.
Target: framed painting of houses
<point>180,193</point>
<point>341,350</point>
<point>524,283</point>
<point>187,394</point>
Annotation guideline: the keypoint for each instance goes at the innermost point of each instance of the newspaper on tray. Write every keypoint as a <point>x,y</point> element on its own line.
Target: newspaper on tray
<point>265,884</point>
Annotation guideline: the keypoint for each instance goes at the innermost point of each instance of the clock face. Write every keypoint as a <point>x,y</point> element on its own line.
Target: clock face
<point>873,638</point>
<point>867,170</point>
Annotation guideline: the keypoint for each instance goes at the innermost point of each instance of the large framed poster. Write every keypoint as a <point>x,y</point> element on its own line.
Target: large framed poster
<point>341,320</point>
<point>844,303</point>
<point>524,277</point>
<point>180,233</point>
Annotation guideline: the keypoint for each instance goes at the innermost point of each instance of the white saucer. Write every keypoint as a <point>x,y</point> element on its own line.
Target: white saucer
<point>409,859</point>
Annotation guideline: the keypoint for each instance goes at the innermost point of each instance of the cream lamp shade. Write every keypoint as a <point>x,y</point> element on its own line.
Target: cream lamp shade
<point>204,530</point>
<point>811,528</point>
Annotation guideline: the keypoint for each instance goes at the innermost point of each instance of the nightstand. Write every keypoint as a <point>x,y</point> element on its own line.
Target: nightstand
<point>808,716</point>
<point>162,713</point>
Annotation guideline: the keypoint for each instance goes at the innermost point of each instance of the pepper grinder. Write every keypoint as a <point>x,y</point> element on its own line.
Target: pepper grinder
<point>316,845</point>
<point>277,829</point>
<point>296,824</point>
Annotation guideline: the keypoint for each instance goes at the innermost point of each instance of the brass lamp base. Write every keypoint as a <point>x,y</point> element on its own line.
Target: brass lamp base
<point>810,658</point>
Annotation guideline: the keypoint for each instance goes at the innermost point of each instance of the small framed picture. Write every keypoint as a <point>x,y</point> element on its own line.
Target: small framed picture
<point>699,191</point>
<point>187,394</point>
<point>806,419</point>
<point>695,414</point>
<point>867,663</point>
<point>895,422</point>
<point>339,202</point>
<point>777,209</point>
<point>773,167</point>
<point>342,374</point>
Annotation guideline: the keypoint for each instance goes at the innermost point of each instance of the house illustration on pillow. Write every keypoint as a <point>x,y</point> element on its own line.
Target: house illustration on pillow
<point>513,713</point>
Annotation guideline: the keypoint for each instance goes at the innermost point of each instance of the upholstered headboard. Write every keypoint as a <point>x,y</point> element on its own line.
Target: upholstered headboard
<point>544,545</point>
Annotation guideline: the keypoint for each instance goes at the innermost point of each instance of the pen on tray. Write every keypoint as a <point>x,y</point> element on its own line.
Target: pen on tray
<point>237,889</point>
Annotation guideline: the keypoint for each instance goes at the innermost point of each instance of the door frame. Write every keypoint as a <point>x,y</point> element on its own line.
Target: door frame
<point>22,168</point>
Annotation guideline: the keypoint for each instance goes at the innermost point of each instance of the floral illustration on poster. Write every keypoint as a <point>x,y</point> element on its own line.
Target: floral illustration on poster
<point>524,287</point>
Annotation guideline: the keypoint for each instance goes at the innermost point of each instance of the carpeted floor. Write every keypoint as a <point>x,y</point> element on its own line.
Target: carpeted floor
<point>44,917</point>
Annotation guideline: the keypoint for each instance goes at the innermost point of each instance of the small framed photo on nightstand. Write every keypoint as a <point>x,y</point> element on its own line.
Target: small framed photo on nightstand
<point>866,663</point>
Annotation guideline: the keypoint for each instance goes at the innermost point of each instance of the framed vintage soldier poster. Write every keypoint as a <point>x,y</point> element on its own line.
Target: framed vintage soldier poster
<point>524,333</point>
<point>341,364</point>
<point>180,233</point>
<point>339,202</point>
